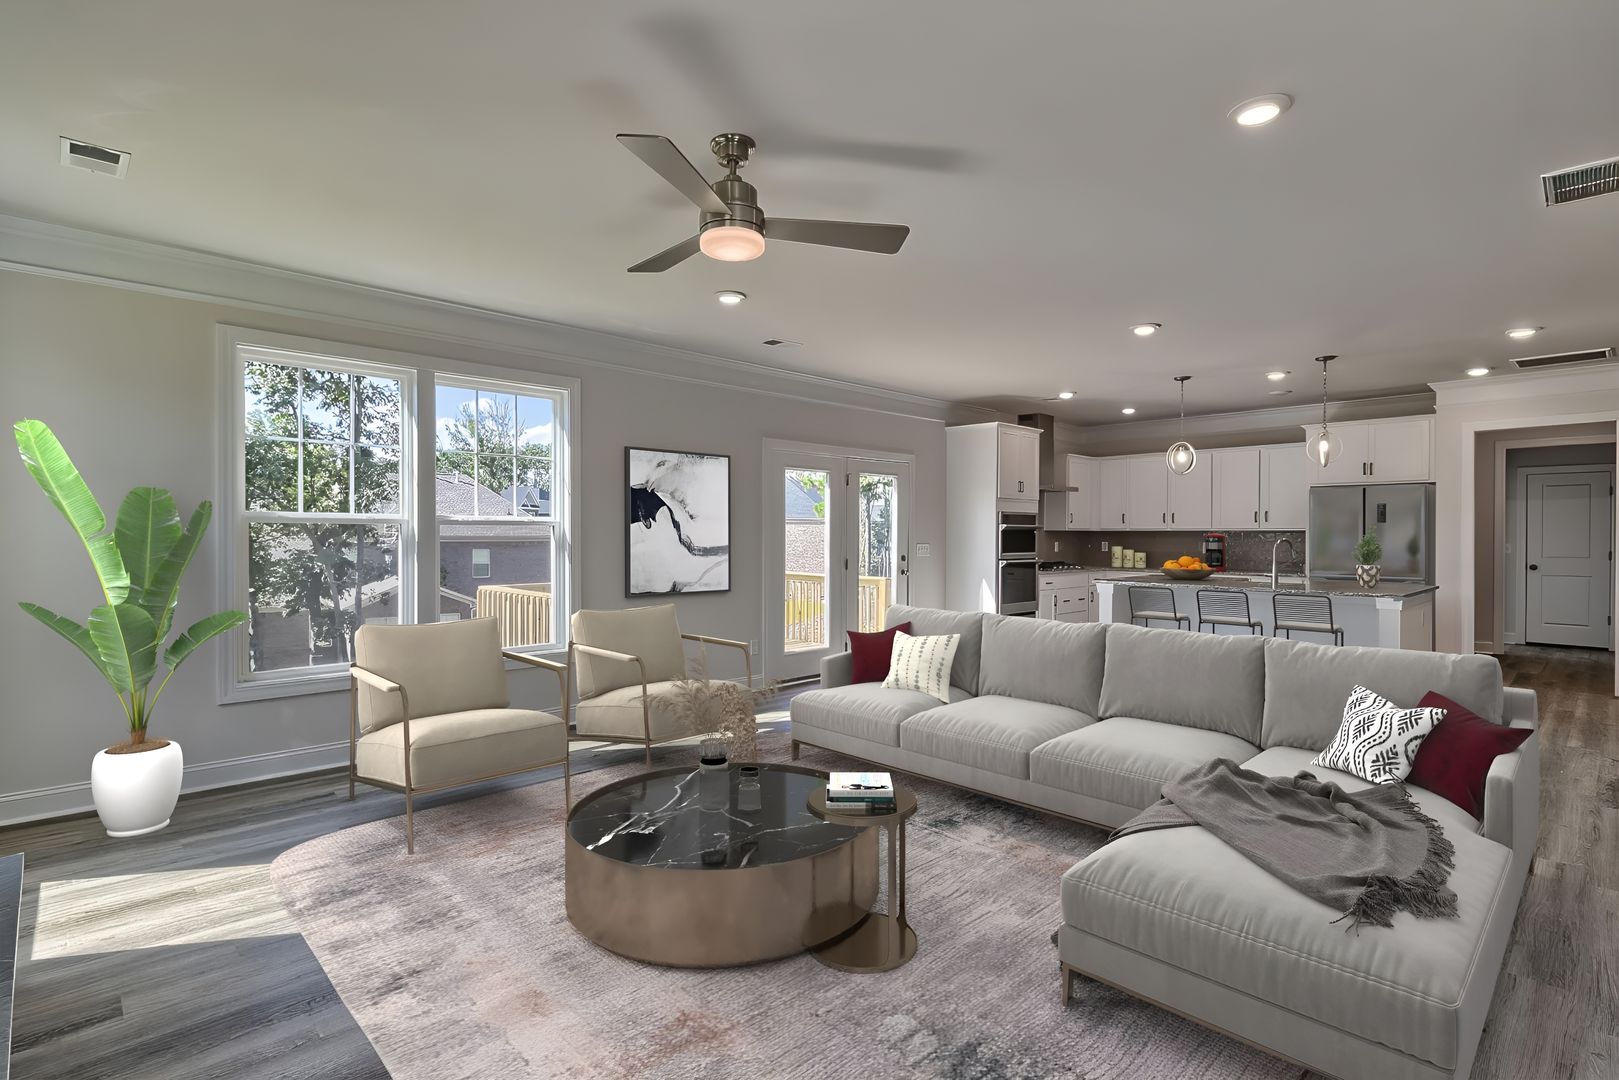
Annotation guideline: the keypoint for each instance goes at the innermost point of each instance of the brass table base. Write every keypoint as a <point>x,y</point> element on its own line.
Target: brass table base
<point>869,947</point>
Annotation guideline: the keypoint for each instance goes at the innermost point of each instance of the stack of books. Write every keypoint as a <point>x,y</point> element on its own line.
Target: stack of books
<point>860,793</point>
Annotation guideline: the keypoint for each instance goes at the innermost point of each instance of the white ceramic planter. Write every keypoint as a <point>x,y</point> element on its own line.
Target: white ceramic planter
<point>1368,575</point>
<point>136,793</point>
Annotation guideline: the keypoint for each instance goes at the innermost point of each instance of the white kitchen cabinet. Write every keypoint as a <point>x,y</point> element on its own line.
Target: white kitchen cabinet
<point>1237,488</point>
<point>1284,488</point>
<point>1018,463</point>
<point>1065,596</point>
<point>1191,497</point>
<point>1147,492</point>
<point>1082,497</point>
<point>1402,451</point>
<point>1379,452</point>
<point>1112,493</point>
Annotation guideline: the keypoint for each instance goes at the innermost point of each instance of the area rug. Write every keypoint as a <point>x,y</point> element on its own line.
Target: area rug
<point>459,962</point>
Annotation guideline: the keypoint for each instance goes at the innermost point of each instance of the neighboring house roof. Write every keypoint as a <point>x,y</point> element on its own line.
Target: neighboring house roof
<point>530,499</point>
<point>455,498</point>
<point>801,501</point>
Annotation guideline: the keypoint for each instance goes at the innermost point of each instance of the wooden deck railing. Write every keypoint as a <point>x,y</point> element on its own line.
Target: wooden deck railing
<point>523,611</point>
<point>805,615</point>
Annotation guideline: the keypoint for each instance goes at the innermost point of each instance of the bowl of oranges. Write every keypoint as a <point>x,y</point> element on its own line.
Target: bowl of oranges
<point>1187,568</point>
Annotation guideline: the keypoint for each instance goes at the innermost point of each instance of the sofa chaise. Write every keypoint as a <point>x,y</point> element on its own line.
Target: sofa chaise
<point>1089,721</point>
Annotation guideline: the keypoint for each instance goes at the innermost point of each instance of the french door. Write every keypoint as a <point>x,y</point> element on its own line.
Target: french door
<point>836,550</point>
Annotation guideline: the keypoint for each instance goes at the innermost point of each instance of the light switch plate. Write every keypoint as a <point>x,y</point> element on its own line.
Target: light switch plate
<point>924,551</point>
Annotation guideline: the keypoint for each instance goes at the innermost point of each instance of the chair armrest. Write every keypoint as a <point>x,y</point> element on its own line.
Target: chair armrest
<point>606,654</point>
<point>375,681</point>
<point>837,670</point>
<point>747,654</point>
<point>559,670</point>
<point>1512,800</point>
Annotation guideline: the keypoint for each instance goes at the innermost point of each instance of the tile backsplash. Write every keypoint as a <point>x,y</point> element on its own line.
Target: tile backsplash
<point>1247,551</point>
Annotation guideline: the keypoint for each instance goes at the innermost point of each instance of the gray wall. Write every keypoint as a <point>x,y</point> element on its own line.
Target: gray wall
<point>129,380</point>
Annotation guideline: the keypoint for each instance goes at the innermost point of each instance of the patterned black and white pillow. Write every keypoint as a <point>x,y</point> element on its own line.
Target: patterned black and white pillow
<point>1378,740</point>
<point>923,663</point>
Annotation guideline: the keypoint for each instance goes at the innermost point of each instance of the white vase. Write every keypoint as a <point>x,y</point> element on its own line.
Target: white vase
<point>136,793</point>
<point>1368,575</point>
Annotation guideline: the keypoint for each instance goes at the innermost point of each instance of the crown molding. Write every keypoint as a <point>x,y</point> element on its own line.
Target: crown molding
<point>1243,425</point>
<point>1516,385</point>
<point>49,249</point>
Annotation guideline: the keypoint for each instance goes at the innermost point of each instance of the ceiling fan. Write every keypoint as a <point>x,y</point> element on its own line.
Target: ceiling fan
<point>731,227</point>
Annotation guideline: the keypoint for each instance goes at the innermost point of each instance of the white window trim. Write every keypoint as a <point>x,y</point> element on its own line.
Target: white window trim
<point>419,534</point>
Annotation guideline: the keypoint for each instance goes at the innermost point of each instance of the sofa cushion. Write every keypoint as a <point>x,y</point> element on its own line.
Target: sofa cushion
<point>993,733</point>
<point>1458,754</point>
<point>651,632</point>
<point>1211,681</point>
<point>969,624</point>
<point>618,713</point>
<point>923,664</point>
<point>1044,660</point>
<point>1306,686</point>
<point>871,654</point>
<point>1290,761</point>
<point>454,748</point>
<point>444,667</point>
<point>1127,760</point>
<point>1184,897</point>
<point>867,711</point>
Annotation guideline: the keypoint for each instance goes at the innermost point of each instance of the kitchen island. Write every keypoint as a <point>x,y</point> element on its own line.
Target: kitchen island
<point>1393,615</point>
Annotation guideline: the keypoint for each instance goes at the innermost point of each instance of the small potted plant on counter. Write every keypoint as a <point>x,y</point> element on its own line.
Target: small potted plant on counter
<point>1368,554</point>
<point>138,564</point>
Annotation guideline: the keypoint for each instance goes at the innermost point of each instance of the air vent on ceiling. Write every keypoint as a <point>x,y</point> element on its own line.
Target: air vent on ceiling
<point>1585,356</point>
<point>782,343</point>
<point>93,158</point>
<point>1581,182</point>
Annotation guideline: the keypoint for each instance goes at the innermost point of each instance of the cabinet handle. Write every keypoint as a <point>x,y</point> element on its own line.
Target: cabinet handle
<point>1121,519</point>
<point>1070,519</point>
<point>1256,517</point>
<point>1267,517</point>
<point>1163,519</point>
<point>1172,517</point>
<point>1371,468</point>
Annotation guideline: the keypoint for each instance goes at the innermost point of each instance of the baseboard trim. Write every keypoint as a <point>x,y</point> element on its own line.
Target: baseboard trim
<point>67,800</point>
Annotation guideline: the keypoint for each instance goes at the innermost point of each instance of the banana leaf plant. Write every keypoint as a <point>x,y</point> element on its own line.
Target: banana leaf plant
<point>138,563</point>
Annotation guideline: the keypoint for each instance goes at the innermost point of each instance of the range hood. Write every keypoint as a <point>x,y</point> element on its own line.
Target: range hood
<point>1053,466</point>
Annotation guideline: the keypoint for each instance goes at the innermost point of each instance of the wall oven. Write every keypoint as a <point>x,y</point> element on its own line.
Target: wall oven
<point>1016,537</point>
<point>1020,588</point>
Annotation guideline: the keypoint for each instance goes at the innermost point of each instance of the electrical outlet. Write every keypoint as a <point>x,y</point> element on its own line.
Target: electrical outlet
<point>1104,544</point>
<point>924,551</point>
<point>1056,545</point>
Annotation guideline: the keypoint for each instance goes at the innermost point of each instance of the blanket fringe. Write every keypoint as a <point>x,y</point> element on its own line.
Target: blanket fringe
<point>1424,893</point>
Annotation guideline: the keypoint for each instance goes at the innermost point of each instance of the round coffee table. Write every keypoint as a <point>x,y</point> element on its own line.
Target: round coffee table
<point>881,940</point>
<point>668,867</point>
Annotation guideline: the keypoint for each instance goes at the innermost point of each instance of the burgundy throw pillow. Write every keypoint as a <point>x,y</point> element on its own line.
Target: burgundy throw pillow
<point>1455,757</point>
<point>869,654</point>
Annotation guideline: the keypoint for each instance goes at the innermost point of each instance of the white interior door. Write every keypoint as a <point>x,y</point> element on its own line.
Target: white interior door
<point>836,552</point>
<point>1568,556</point>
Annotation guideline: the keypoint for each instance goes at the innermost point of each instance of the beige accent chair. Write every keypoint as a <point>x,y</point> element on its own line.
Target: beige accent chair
<point>430,711</point>
<point>625,663</point>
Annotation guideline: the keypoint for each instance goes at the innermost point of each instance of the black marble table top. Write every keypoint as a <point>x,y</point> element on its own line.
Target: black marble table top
<point>683,819</point>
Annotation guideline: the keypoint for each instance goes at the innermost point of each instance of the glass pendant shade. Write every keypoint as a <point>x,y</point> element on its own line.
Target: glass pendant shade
<point>731,243</point>
<point>1323,447</point>
<point>1181,458</point>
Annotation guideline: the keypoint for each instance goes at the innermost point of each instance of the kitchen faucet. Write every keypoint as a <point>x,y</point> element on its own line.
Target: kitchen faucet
<point>1275,581</point>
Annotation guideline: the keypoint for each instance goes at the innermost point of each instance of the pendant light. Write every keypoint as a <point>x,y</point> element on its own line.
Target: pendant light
<point>1324,446</point>
<point>1182,457</point>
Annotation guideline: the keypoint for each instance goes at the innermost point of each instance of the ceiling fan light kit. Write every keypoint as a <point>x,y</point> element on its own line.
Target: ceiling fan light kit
<point>1181,458</point>
<point>731,227</point>
<point>1324,446</point>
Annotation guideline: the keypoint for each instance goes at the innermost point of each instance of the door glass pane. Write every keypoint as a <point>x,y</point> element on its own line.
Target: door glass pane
<point>877,547</point>
<point>805,534</point>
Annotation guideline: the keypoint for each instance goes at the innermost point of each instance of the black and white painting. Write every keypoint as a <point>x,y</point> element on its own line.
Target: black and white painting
<point>680,522</point>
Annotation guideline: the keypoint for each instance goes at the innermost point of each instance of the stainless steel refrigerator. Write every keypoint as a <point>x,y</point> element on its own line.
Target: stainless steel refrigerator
<point>1399,515</point>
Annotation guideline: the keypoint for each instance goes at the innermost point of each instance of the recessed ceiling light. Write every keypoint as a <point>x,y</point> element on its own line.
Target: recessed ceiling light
<point>1259,111</point>
<point>1146,329</point>
<point>1477,371</point>
<point>1128,410</point>
<point>730,297</point>
<point>1065,394</point>
<point>1521,332</point>
<point>1279,393</point>
<point>1277,376</point>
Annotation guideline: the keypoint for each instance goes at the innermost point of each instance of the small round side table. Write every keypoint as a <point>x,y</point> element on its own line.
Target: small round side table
<point>882,940</point>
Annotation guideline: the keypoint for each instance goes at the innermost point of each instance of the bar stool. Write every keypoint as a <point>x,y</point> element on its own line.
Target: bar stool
<point>1308,613</point>
<point>1225,607</point>
<point>1155,603</point>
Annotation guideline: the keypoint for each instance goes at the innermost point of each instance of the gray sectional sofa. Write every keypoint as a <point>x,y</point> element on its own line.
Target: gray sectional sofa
<point>1089,721</point>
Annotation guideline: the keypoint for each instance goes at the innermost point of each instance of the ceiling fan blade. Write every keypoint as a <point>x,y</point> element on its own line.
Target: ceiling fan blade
<point>860,236</point>
<point>665,159</point>
<point>670,256</point>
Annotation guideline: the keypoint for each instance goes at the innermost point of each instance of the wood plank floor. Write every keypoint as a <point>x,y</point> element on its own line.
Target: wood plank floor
<point>169,957</point>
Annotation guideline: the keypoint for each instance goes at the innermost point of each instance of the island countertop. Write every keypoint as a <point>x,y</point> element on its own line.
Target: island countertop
<point>1398,590</point>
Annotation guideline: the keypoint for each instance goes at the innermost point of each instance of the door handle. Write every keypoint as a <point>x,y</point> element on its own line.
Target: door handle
<point>1534,566</point>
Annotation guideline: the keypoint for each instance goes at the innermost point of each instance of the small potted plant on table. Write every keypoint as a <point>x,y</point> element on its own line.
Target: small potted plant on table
<point>138,563</point>
<point>1368,554</point>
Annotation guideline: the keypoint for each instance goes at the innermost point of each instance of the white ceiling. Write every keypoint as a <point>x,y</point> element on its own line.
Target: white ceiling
<point>1067,170</point>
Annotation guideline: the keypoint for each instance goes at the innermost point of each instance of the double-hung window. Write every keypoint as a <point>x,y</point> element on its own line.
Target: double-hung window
<point>350,469</point>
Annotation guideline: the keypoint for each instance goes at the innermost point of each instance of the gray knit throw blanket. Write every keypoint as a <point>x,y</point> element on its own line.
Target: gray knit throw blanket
<point>1367,853</point>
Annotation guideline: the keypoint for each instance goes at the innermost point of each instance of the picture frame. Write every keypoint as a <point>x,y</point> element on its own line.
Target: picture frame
<point>677,522</point>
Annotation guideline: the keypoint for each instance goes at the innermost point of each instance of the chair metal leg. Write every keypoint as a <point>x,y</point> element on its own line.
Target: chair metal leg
<point>351,787</point>
<point>567,783</point>
<point>795,749</point>
<point>649,755</point>
<point>410,823</point>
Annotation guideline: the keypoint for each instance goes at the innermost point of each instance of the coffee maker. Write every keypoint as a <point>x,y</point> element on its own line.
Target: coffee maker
<point>1214,551</point>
